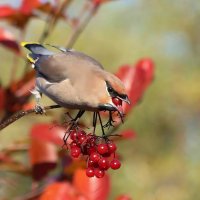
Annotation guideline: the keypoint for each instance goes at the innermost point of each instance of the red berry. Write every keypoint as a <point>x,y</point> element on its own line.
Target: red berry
<point>90,163</point>
<point>103,163</point>
<point>73,144</point>
<point>84,149</point>
<point>91,150</point>
<point>81,139</point>
<point>92,142</point>
<point>73,135</point>
<point>117,101</point>
<point>112,147</point>
<point>106,154</point>
<point>99,173</point>
<point>75,152</point>
<point>90,172</point>
<point>115,164</point>
<point>102,148</point>
<point>81,133</point>
<point>95,157</point>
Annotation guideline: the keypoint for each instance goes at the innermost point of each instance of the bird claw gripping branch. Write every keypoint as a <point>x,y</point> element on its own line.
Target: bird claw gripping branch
<point>39,109</point>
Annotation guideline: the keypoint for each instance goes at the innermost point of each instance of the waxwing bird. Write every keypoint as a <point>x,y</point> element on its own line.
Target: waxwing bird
<point>74,80</point>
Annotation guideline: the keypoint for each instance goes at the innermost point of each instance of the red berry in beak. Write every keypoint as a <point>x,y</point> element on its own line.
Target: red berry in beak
<point>117,101</point>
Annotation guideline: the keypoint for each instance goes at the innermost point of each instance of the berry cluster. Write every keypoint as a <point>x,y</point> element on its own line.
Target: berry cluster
<point>100,152</point>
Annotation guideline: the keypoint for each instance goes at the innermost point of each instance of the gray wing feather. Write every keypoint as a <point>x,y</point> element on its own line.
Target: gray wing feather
<point>70,64</point>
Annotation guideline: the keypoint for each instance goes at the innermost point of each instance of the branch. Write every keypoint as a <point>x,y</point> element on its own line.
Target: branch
<point>22,113</point>
<point>81,25</point>
<point>53,20</point>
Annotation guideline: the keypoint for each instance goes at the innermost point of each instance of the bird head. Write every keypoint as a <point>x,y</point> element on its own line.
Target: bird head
<point>115,92</point>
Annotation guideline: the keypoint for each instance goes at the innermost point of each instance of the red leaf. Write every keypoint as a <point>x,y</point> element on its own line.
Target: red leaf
<point>146,67</point>
<point>92,188</point>
<point>43,153</point>
<point>128,134</point>
<point>28,6</point>
<point>98,2</point>
<point>18,94</point>
<point>2,98</point>
<point>49,133</point>
<point>7,11</point>
<point>14,16</point>
<point>136,79</point>
<point>43,157</point>
<point>8,39</point>
<point>60,191</point>
<point>123,197</point>
<point>19,17</point>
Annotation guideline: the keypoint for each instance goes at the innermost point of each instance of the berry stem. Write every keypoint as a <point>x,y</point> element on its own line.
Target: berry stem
<point>101,124</point>
<point>94,122</point>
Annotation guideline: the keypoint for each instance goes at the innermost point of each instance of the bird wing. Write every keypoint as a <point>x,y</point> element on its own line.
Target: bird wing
<point>64,65</point>
<point>56,67</point>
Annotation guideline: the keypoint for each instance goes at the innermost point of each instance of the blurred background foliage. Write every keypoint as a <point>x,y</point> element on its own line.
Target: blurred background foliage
<point>163,162</point>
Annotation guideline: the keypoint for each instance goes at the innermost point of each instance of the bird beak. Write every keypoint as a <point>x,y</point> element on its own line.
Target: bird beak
<point>126,99</point>
<point>120,112</point>
<point>112,107</point>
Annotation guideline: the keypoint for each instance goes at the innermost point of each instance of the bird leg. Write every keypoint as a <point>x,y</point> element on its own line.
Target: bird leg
<point>110,122</point>
<point>73,123</point>
<point>39,109</point>
<point>94,122</point>
<point>121,116</point>
<point>102,128</point>
<point>79,115</point>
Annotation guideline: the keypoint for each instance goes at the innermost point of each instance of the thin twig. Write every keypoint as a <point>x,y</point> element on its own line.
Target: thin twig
<point>53,20</point>
<point>15,148</point>
<point>7,163</point>
<point>81,26</point>
<point>14,68</point>
<point>33,194</point>
<point>17,167</point>
<point>22,113</point>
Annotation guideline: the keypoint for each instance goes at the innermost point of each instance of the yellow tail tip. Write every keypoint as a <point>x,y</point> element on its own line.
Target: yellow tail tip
<point>23,44</point>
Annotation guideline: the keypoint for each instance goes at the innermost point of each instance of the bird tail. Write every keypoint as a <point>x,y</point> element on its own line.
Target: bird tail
<point>37,50</point>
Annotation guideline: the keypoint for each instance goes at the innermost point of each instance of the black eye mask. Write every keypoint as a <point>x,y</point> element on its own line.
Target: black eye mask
<point>110,90</point>
<point>113,93</point>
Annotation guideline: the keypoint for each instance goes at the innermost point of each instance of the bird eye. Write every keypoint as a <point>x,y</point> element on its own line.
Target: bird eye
<point>110,89</point>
